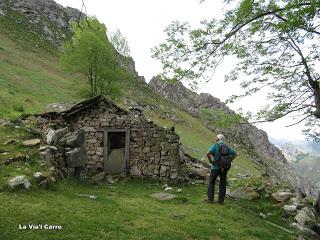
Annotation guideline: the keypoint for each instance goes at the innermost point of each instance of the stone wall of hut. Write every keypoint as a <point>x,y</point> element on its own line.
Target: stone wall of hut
<point>153,150</point>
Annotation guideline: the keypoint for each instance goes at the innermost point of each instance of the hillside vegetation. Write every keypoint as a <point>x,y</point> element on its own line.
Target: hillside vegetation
<point>30,79</point>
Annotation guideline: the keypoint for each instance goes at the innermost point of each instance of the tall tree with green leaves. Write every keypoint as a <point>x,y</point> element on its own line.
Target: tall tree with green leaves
<point>90,53</point>
<point>277,44</point>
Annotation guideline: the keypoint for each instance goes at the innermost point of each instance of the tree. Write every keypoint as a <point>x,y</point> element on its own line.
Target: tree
<point>120,43</point>
<point>277,46</point>
<point>90,53</point>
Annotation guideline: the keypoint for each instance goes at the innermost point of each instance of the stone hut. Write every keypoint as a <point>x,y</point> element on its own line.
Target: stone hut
<point>118,141</point>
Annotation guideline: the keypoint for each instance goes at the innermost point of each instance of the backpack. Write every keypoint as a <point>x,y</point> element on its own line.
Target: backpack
<point>224,159</point>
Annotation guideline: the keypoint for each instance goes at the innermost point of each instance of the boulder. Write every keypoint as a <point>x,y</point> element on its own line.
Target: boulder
<point>290,208</point>
<point>99,177</point>
<point>73,139</point>
<point>47,155</point>
<point>112,180</point>
<point>46,147</point>
<point>39,176</point>
<point>31,142</point>
<point>304,216</point>
<point>163,196</point>
<point>54,135</point>
<point>244,193</point>
<point>303,229</point>
<point>19,182</point>
<point>282,196</point>
<point>77,157</point>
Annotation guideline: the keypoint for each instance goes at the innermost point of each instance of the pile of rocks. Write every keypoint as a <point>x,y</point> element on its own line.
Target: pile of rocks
<point>304,215</point>
<point>66,151</point>
<point>195,170</point>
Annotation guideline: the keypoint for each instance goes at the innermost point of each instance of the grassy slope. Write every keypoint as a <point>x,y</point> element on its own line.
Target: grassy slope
<point>30,78</point>
<point>125,211</point>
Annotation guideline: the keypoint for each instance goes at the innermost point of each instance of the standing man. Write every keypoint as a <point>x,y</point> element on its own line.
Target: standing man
<point>222,156</point>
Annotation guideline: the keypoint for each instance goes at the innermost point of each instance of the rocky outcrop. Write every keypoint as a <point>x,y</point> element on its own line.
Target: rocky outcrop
<point>47,19</point>
<point>246,135</point>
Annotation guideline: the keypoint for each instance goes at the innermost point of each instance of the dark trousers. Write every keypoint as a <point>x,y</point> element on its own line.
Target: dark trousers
<point>222,186</point>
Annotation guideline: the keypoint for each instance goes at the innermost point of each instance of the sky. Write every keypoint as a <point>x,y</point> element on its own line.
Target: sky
<point>143,22</point>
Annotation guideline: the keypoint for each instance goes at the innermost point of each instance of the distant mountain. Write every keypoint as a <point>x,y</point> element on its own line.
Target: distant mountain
<point>304,156</point>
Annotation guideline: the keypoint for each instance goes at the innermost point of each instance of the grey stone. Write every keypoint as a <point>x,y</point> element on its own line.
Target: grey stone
<point>31,142</point>
<point>99,177</point>
<point>47,155</point>
<point>39,176</point>
<point>73,139</point>
<point>290,208</point>
<point>305,215</point>
<point>18,182</point>
<point>163,196</point>
<point>77,157</point>
<point>282,196</point>
<point>112,179</point>
<point>54,135</point>
<point>243,193</point>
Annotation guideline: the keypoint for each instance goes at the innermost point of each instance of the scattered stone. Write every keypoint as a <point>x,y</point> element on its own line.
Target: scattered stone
<point>99,177</point>
<point>282,196</point>
<point>47,155</point>
<point>290,208</point>
<point>168,189</point>
<point>46,147</point>
<point>88,196</point>
<point>10,142</point>
<point>4,122</point>
<point>305,215</point>
<point>179,190</point>
<point>39,176</point>
<point>77,157</point>
<point>18,182</point>
<point>163,196</point>
<point>244,193</point>
<point>112,180</point>
<point>178,215</point>
<point>303,229</point>
<point>73,139</point>
<point>54,135</point>
<point>31,142</point>
<point>45,183</point>
<point>263,215</point>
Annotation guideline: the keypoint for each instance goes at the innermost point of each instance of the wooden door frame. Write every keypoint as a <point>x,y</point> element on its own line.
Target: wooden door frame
<point>126,148</point>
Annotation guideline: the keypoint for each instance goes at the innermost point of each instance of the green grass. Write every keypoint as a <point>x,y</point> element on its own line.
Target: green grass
<point>126,211</point>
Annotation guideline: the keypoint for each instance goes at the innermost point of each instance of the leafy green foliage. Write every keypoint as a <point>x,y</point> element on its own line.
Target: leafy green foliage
<point>91,54</point>
<point>219,118</point>
<point>120,43</point>
<point>277,46</point>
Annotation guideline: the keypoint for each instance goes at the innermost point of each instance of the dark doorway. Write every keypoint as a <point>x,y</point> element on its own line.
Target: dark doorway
<point>116,150</point>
